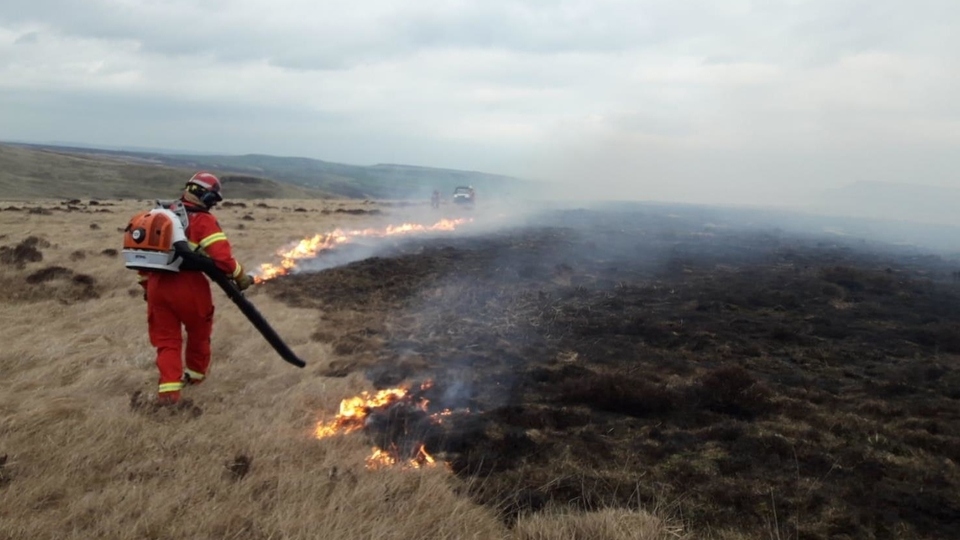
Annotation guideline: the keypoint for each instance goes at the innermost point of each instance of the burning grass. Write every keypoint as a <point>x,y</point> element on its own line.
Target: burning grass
<point>397,420</point>
<point>592,368</point>
<point>88,457</point>
<point>743,378</point>
<point>311,248</point>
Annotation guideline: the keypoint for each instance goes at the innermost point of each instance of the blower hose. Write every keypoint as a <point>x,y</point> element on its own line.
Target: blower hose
<point>207,266</point>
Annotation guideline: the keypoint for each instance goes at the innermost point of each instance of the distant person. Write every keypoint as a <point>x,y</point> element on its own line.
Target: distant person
<point>435,199</point>
<point>176,299</point>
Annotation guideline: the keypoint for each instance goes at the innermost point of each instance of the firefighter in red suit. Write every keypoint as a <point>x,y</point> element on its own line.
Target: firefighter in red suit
<point>184,298</point>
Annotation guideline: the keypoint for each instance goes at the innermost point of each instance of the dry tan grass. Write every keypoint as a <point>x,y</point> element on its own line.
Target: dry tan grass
<point>612,523</point>
<point>84,464</point>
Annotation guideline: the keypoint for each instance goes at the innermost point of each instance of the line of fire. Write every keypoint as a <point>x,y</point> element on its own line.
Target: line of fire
<point>311,248</point>
<point>397,419</point>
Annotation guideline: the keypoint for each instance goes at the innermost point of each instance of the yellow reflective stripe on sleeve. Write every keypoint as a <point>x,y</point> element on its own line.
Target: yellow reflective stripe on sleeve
<point>213,238</point>
<point>194,247</point>
<point>171,387</point>
<point>237,271</point>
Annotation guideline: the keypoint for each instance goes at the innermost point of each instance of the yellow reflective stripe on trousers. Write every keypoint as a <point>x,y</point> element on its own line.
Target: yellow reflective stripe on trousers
<point>171,387</point>
<point>213,238</point>
<point>194,374</point>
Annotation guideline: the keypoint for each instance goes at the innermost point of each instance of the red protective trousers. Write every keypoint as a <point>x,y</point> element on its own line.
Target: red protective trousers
<point>175,300</point>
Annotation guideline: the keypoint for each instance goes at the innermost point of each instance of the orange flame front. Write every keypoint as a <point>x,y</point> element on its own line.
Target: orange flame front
<point>309,248</point>
<point>381,458</point>
<point>354,412</point>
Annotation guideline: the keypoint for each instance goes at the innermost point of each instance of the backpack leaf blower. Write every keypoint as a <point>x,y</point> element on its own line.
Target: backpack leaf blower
<point>156,241</point>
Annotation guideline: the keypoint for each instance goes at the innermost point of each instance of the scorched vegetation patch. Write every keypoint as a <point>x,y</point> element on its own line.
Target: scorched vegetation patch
<point>609,359</point>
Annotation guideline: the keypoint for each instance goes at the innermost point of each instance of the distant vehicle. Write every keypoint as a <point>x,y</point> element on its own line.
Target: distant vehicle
<point>464,195</point>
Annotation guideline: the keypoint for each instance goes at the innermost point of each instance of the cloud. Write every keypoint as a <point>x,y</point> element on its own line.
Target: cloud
<point>27,38</point>
<point>310,35</point>
<point>684,99</point>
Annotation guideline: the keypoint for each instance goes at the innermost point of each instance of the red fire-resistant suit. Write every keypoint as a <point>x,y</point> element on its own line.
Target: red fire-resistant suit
<point>183,298</point>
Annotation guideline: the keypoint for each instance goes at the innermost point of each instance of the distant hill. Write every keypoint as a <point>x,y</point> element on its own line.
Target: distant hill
<point>31,172</point>
<point>882,200</point>
<point>383,181</point>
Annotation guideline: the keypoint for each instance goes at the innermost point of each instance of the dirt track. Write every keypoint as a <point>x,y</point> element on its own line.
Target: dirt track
<point>599,359</point>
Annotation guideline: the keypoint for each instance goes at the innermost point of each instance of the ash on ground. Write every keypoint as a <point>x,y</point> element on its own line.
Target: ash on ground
<point>636,357</point>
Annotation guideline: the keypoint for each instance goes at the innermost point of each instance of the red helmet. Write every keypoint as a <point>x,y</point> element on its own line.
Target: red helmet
<point>206,180</point>
<point>209,188</point>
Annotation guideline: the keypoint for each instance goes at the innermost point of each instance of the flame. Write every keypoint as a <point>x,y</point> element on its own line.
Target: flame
<point>352,416</point>
<point>382,458</point>
<point>353,411</point>
<point>310,248</point>
<point>379,459</point>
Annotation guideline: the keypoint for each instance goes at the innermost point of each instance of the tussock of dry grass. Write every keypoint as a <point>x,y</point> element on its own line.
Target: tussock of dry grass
<point>241,462</point>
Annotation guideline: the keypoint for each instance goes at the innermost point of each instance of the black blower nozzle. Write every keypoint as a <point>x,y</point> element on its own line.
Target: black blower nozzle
<point>207,266</point>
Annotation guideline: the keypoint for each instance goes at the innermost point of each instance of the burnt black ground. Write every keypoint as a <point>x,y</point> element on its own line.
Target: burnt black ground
<point>624,357</point>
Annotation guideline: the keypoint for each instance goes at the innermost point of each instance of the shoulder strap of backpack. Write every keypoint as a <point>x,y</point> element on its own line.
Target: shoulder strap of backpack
<point>177,207</point>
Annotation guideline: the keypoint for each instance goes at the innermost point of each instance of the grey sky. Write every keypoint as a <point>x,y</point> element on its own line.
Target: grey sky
<point>751,101</point>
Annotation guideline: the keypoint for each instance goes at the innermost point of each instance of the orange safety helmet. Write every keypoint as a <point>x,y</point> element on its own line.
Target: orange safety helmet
<point>206,187</point>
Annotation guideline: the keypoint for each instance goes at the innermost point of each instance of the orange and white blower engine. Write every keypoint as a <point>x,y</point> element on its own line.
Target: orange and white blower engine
<point>156,241</point>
